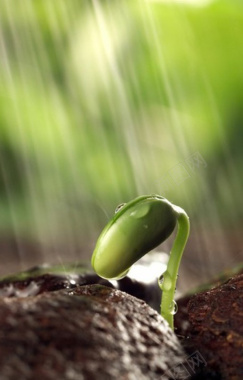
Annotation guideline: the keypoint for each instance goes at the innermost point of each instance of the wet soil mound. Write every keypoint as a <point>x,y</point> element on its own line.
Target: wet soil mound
<point>211,323</point>
<point>89,332</point>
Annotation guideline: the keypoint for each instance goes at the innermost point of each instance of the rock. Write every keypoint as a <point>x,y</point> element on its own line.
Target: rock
<point>211,323</point>
<point>88,332</point>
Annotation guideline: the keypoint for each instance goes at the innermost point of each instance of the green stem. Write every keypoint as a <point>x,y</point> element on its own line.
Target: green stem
<point>170,276</point>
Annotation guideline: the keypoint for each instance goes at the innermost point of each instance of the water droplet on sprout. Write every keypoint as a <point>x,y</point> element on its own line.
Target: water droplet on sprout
<point>140,212</point>
<point>118,208</point>
<point>161,279</point>
<point>173,307</point>
<point>165,281</point>
<point>123,274</point>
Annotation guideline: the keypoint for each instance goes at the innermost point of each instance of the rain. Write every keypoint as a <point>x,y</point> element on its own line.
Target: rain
<point>103,101</point>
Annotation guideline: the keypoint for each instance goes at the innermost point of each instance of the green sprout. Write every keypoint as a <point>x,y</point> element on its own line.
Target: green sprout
<point>136,228</point>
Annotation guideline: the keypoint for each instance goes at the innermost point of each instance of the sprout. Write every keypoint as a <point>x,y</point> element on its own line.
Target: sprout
<point>136,228</point>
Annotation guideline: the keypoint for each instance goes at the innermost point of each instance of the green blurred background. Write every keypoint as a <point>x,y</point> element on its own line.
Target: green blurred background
<point>102,101</point>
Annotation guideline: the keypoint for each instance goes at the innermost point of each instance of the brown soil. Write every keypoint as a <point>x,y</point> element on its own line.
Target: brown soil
<point>211,323</point>
<point>89,332</point>
<point>39,336</point>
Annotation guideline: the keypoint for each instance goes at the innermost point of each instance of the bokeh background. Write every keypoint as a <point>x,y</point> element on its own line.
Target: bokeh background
<point>105,100</point>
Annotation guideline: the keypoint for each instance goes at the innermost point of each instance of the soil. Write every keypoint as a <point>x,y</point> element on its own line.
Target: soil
<point>34,282</point>
<point>57,326</point>
<point>89,332</point>
<point>211,323</point>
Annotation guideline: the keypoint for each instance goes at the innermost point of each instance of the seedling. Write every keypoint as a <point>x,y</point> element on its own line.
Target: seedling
<point>136,228</point>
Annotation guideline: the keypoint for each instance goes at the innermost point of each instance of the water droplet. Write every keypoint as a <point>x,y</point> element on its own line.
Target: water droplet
<point>161,279</point>
<point>7,291</point>
<point>141,211</point>
<point>122,275</point>
<point>31,290</point>
<point>118,208</point>
<point>165,281</point>
<point>173,307</point>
